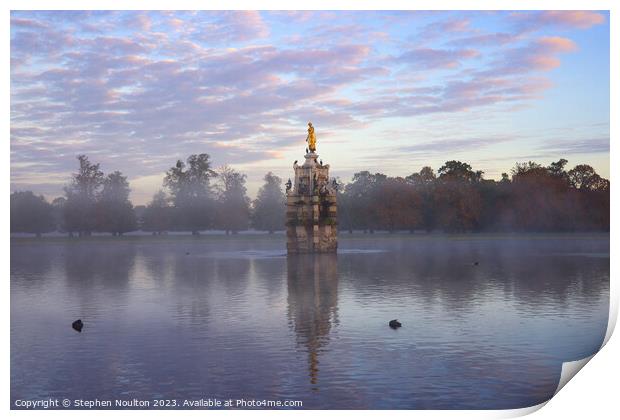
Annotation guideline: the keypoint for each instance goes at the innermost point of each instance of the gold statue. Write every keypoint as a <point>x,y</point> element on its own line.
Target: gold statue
<point>311,139</point>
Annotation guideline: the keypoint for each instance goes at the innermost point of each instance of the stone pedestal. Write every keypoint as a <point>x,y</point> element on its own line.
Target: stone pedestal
<point>311,209</point>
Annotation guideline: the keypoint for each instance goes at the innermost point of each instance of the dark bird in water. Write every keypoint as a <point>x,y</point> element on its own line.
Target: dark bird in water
<point>395,324</point>
<point>476,263</point>
<point>78,325</point>
<point>187,253</point>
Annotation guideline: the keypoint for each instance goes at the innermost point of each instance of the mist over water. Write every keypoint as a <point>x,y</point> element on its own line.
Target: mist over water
<point>192,318</point>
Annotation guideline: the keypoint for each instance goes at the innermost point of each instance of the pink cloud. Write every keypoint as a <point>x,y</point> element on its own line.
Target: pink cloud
<point>490,40</point>
<point>575,18</point>
<point>312,59</point>
<point>456,25</point>
<point>175,22</point>
<point>118,46</point>
<point>41,41</point>
<point>27,23</point>
<point>298,16</point>
<point>538,55</point>
<point>143,22</point>
<point>231,26</point>
<point>442,28</point>
<point>429,58</point>
<point>556,44</point>
<point>579,19</point>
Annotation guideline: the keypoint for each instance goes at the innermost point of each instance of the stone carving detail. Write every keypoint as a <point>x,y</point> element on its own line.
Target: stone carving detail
<point>335,185</point>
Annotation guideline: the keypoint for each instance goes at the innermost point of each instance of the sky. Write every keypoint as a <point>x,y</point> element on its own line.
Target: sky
<point>387,91</point>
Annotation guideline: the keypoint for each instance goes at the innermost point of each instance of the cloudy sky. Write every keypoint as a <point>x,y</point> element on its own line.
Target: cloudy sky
<point>386,91</point>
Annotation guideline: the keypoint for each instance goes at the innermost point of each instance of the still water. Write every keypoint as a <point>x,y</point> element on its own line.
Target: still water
<point>192,318</point>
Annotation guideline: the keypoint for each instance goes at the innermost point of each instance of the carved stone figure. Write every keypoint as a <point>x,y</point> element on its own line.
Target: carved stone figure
<point>323,190</point>
<point>303,186</point>
<point>311,139</point>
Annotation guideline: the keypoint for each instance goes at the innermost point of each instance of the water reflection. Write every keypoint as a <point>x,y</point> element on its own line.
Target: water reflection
<point>524,271</point>
<point>185,318</point>
<point>312,303</point>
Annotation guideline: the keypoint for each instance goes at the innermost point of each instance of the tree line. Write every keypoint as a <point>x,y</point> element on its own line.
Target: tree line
<point>459,199</point>
<point>196,197</point>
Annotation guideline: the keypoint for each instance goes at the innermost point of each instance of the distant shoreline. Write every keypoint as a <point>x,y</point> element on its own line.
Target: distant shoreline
<point>280,236</point>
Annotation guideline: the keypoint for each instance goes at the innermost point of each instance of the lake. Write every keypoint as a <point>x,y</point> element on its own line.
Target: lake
<point>186,318</point>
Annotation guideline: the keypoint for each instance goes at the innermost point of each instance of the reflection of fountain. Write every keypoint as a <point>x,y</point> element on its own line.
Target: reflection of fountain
<point>312,302</point>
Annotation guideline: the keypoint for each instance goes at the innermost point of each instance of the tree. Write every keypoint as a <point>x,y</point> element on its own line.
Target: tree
<point>424,182</point>
<point>397,205</point>
<point>496,208</point>
<point>459,170</point>
<point>345,208</point>
<point>30,213</point>
<point>233,202</point>
<point>268,209</point>
<point>361,193</point>
<point>584,177</point>
<point>557,168</point>
<point>114,210</point>
<point>540,198</point>
<point>593,197</point>
<point>458,205</point>
<point>524,168</point>
<point>457,200</point>
<point>426,176</point>
<point>189,186</point>
<point>139,212</point>
<point>58,209</point>
<point>158,214</point>
<point>81,193</point>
